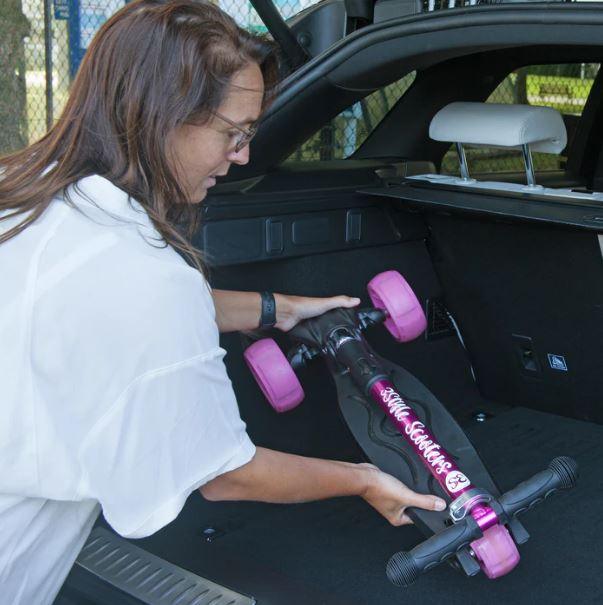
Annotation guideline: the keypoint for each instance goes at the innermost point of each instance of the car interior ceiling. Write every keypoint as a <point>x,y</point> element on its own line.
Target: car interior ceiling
<point>516,291</point>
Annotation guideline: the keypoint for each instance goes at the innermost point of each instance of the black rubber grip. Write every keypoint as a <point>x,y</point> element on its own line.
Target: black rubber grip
<point>562,473</point>
<point>404,568</point>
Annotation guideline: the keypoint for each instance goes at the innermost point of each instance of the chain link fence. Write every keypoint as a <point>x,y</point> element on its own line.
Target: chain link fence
<point>41,45</point>
<point>43,41</point>
<point>245,15</point>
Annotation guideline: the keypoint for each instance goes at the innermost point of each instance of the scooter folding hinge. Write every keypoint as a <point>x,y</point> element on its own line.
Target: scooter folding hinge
<point>459,508</point>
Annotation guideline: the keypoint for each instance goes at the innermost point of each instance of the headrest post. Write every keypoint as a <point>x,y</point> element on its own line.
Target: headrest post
<point>527,159</point>
<point>463,162</point>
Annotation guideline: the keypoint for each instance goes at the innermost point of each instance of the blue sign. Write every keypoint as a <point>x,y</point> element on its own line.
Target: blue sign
<point>85,19</point>
<point>61,9</point>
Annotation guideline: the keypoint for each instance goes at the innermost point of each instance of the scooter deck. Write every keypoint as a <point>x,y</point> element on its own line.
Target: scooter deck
<point>387,449</point>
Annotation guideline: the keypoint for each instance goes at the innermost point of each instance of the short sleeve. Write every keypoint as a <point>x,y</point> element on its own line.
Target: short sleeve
<point>171,430</point>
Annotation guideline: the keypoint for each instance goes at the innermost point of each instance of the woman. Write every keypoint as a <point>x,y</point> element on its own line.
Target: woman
<point>115,394</point>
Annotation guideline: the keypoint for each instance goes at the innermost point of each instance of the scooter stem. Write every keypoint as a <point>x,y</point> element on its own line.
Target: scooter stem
<point>349,348</point>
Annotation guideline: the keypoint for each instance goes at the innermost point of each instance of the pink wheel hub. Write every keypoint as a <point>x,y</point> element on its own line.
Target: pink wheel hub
<point>274,375</point>
<point>496,552</point>
<point>390,291</point>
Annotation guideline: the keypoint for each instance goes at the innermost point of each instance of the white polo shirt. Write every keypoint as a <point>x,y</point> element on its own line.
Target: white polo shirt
<point>113,390</point>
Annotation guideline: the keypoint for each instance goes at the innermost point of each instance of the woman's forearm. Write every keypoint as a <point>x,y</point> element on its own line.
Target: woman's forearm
<point>286,478</point>
<point>239,311</point>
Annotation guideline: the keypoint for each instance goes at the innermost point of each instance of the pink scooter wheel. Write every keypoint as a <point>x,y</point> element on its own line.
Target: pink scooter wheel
<point>496,552</point>
<point>391,292</point>
<point>274,375</point>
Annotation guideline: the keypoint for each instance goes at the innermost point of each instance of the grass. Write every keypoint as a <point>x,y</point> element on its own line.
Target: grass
<point>567,95</point>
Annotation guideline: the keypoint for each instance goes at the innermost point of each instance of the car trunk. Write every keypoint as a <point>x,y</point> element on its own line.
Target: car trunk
<point>511,285</point>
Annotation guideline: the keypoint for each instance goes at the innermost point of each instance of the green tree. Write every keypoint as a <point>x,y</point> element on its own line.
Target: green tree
<point>14,27</point>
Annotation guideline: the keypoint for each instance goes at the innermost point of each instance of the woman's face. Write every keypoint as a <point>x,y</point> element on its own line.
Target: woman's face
<point>200,153</point>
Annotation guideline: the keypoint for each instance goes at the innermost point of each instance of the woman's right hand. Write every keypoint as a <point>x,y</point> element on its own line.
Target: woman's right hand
<point>391,497</point>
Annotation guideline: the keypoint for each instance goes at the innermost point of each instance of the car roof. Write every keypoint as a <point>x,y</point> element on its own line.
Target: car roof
<point>380,54</point>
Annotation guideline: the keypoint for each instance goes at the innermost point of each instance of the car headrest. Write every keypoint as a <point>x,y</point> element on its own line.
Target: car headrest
<point>499,125</point>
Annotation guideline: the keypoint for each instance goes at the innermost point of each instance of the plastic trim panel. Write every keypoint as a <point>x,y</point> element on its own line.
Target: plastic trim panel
<point>571,213</point>
<point>148,578</point>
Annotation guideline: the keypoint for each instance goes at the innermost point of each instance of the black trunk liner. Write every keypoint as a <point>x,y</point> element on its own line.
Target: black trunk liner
<point>334,552</point>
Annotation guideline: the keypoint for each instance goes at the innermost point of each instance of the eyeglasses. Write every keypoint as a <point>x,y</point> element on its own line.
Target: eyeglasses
<point>243,137</point>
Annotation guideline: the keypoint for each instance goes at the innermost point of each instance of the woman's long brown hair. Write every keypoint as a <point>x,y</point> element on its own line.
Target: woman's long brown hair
<point>153,66</point>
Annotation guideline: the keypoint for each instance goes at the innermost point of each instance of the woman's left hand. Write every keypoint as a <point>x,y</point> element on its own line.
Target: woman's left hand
<point>290,310</point>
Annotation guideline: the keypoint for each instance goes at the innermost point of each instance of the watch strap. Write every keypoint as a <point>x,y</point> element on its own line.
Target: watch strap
<point>268,314</point>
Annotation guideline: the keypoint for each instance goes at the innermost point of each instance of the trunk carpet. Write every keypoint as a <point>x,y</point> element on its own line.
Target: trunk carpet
<point>334,552</point>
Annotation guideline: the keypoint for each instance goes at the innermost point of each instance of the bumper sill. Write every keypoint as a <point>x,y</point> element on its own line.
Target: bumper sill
<point>149,578</point>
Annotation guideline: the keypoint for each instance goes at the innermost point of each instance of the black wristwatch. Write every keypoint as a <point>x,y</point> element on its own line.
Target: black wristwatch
<point>268,315</point>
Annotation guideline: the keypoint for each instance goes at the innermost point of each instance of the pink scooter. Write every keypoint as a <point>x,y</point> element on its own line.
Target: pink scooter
<point>480,530</point>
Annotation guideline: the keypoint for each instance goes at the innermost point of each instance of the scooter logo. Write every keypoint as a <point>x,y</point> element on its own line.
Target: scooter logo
<point>456,481</point>
<point>428,448</point>
<point>394,403</point>
<point>416,431</point>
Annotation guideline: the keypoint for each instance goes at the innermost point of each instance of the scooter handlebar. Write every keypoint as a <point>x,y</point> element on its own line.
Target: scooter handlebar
<point>562,473</point>
<point>405,567</point>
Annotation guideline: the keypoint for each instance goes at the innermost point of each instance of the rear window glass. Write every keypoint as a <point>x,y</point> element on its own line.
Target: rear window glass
<point>565,87</point>
<point>345,133</point>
